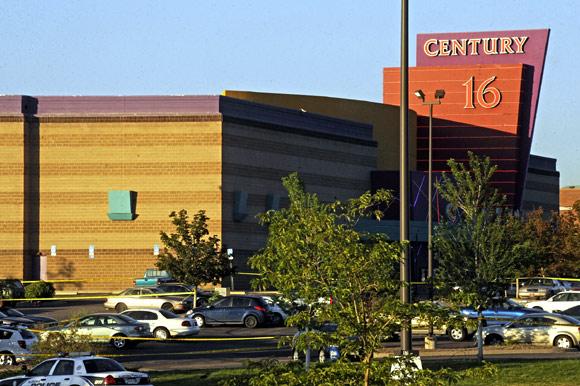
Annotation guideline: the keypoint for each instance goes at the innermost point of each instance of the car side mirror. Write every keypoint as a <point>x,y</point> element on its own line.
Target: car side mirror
<point>24,369</point>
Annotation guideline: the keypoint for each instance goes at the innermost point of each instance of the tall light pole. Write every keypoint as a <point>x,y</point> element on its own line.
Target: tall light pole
<point>405,294</point>
<point>439,94</point>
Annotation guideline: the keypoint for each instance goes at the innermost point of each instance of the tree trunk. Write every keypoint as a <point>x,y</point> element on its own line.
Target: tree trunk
<point>479,336</point>
<point>367,375</point>
<point>307,354</point>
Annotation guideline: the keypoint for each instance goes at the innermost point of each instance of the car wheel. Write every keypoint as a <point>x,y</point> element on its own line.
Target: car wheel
<point>120,307</point>
<point>250,321</point>
<point>161,333</point>
<point>322,356</point>
<point>199,319</point>
<point>119,342</point>
<point>493,339</point>
<point>7,359</point>
<point>457,334</point>
<point>563,341</point>
<point>167,307</point>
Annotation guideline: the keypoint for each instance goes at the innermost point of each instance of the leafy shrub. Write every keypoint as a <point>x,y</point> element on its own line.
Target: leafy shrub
<point>39,289</point>
<point>54,342</point>
<point>347,373</point>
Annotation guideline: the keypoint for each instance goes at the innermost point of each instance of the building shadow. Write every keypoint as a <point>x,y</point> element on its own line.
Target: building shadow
<point>31,187</point>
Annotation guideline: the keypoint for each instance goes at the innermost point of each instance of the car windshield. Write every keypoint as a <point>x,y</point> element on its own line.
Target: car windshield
<point>101,365</point>
<point>569,319</point>
<point>26,334</point>
<point>13,312</point>
<point>168,315</point>
<point>126,319</point>
<point>538,281</point>
<point>514,304</point>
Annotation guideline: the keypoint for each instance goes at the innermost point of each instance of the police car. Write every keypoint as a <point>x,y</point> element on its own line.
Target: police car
<point>83,370</point>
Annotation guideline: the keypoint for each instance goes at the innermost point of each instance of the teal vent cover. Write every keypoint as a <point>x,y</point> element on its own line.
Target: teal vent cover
<point>122,205</point>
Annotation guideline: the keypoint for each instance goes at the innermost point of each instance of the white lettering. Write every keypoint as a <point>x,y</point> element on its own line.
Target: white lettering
<point>520,41</point>
<point>470,47</point>
<point>427,47</point>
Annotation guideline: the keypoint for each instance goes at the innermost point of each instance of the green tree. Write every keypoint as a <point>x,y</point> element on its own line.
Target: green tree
<point>191,255</point>
<point>315,252</point>
<point>479,254</point>
<point>556,243</point>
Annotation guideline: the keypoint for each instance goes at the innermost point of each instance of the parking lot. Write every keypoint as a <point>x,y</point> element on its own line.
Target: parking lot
<point>212,347</point>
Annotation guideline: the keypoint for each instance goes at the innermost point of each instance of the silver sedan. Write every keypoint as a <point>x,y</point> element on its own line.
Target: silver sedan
<point>547,329</point>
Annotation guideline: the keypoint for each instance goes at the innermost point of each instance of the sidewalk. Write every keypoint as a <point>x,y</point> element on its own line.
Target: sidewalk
<point>468,354</point>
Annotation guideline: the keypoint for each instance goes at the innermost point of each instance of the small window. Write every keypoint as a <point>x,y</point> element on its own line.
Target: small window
<point>64,367</point>
<point>43,369</point>
<point>225,302</point>
<point>4,334</point>
<point>241,302</point>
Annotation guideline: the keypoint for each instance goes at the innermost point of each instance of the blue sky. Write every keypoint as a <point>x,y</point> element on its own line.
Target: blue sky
<point>322,47</point>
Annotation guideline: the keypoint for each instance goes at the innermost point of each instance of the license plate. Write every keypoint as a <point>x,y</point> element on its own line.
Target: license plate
<point>132,381</point>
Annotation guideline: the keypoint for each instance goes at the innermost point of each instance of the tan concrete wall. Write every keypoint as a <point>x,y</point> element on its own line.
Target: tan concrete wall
<point>11,197</point>
<point>172,164</point>
<point>383,118</point>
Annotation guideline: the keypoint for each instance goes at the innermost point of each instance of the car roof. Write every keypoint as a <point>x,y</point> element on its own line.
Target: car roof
<point>141,309</point>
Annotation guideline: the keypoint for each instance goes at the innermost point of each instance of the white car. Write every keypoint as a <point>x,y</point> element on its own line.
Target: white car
<point>79,371</point>
<point>164,324</point>
<point>548,329</point>
<point>559,302</point>
<point>148,297</point>
<point>15,344</point>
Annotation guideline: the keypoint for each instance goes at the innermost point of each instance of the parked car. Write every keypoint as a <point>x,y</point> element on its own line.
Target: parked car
<point>80,371</point>
<point>108,328</point>
<point>13,316</point>
<point>501,312</point>
<point>325,353</point>
<point>15,345</point>
<point>153,277</point>
<point>542,328</point>
<point>277,314</point>
<point>573,311</point>
<point>540,288</point>
<point>10,289</point>
<point>251,311</point>
<point>164,324</point>
<point>202,296</point>
<point>557,303</point>
<point>148,297</point>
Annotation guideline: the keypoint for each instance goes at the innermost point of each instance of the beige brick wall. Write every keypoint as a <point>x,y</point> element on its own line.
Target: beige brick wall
<point>171,163</point>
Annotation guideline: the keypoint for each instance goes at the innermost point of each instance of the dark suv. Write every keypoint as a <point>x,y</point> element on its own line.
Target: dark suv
<point>250,311</point>
<point>10,289</point>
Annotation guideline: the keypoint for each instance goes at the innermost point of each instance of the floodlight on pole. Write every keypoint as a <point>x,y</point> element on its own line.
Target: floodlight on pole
<point>439,94</point>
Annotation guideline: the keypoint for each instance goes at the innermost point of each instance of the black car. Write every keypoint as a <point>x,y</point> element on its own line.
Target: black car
<point>14,317</point>
<point>250,311</point>
<point>10,289</point>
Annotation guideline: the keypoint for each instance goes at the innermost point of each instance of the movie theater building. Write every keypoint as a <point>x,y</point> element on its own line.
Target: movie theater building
<point>87,183</point>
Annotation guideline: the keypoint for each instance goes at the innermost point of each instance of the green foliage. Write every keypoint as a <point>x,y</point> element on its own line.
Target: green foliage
<point>555,243</point>
<point>347,373</point>
<point>39,289</point>
<point>191,255</point>
<point>314,253</point>
<point>482,252</point>
<point>52,343</point>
